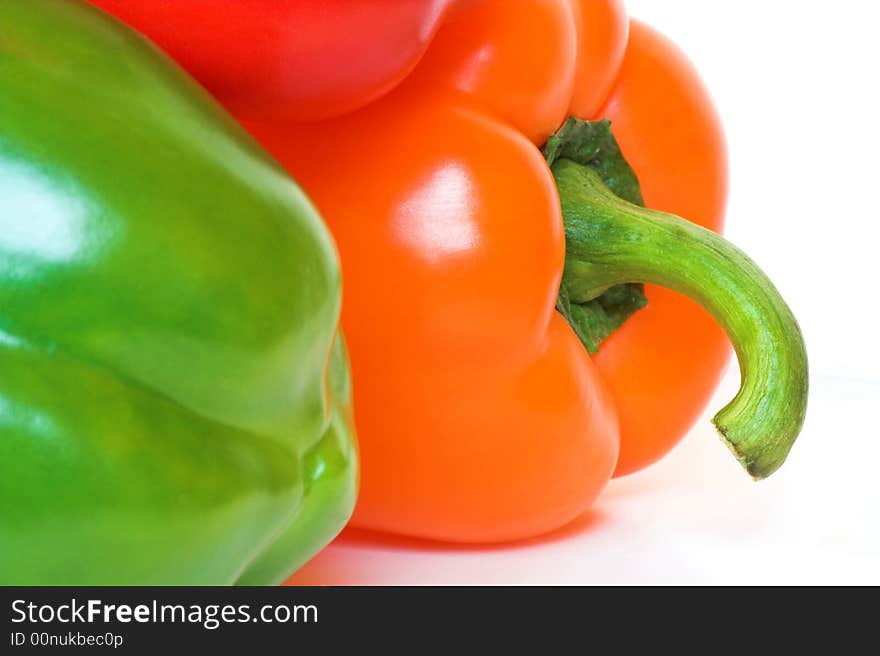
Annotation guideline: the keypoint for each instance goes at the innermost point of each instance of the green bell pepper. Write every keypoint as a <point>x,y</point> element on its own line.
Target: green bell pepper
<point>174,398</point>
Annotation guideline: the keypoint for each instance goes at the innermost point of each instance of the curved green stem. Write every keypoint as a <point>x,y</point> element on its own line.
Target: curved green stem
<point>610,241</point>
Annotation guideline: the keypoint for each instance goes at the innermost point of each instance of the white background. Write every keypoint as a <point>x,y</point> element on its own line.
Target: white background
<point>797,84</point>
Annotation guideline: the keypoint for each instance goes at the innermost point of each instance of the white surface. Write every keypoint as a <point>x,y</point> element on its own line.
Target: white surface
<point>797,87</point>
<point>694,518</point>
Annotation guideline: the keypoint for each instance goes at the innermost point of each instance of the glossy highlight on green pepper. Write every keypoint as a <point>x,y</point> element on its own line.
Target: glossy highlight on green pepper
<point>174,393</point>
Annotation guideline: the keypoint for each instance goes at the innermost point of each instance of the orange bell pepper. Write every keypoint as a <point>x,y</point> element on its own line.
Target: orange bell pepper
<point>481,415</point>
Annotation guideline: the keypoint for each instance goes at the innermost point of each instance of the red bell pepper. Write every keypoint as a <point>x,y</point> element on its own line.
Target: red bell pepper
<point>478,277</point>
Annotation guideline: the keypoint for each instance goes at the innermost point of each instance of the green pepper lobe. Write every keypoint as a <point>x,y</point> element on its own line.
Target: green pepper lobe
<point>169,300</point>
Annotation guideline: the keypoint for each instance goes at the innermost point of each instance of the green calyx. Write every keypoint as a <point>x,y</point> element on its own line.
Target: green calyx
<point>596,315</point>
<point>611,241</point>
